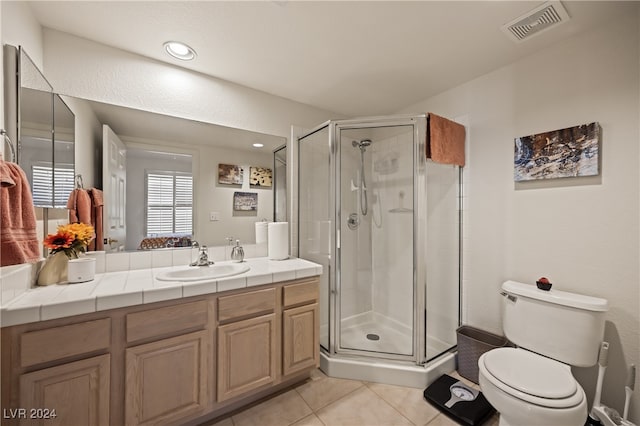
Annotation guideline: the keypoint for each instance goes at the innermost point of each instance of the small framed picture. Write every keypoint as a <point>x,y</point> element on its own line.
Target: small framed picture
<point>260,176</point>
<point>245,201</point>
<point>230,174</point>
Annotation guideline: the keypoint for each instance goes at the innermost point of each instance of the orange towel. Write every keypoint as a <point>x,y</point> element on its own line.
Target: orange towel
<point>18,240</point>
<point>79,205</point>
<point>97,204</point>
<point>445,140</point>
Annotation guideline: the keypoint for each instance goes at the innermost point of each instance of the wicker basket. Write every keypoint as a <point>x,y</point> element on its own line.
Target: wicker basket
<point>472,343</point>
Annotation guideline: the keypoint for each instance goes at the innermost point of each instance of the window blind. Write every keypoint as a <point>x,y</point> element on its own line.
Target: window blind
<point>43,192</point>
<point>169,203</point>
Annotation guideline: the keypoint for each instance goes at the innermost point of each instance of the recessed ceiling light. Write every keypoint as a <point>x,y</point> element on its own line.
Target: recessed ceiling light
<point>258,145</point>
<point>179,50</point>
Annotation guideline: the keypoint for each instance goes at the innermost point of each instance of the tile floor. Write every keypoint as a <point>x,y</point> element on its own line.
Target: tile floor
<point>326,401</point>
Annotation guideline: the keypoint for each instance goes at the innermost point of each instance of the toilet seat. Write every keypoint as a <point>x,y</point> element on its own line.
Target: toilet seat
<point>531,377</point>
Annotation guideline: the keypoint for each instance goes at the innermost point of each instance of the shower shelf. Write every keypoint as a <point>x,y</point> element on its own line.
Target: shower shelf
<point>401,210</point>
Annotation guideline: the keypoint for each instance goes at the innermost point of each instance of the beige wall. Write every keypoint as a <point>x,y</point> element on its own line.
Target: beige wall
<point>581,233</point>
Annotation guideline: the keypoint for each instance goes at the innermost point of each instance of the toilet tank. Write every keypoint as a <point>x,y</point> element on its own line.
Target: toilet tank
<point>567,327</point>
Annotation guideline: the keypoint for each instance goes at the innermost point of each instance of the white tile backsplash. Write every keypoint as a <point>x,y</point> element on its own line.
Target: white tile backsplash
<point>140,260</point>
<point>161,258</point>
<point>116,262</point>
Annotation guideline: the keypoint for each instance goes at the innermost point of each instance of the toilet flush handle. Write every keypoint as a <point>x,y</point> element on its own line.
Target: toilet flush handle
<point>511,297</point>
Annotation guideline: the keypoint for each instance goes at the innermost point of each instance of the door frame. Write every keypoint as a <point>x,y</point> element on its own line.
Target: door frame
<point>418,122</point>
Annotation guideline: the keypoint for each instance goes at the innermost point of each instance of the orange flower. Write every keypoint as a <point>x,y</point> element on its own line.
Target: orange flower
<point>61,240</point>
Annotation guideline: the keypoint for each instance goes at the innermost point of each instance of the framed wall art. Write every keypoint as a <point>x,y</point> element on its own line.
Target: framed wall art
<point>245,201</point>
<point>230,174</point>
<point>570,152</point>
<point>260,176</point>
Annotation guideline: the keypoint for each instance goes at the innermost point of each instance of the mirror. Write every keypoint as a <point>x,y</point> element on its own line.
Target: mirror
<point>45,130</point>
<point>280,184</point>
<point>162,145</point>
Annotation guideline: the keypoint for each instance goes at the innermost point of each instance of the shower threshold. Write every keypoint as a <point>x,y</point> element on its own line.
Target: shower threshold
<point>386,371</point>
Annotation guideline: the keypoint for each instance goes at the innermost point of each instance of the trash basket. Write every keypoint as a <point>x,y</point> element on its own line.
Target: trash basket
<point>472,343</point>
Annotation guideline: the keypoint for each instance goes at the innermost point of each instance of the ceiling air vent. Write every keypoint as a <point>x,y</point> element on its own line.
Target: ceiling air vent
<point>536,21</point>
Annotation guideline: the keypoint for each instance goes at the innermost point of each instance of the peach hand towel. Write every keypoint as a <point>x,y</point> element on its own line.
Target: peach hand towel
<point>445,140</point>
<point>18,240</point>
<point>97,205</point>
<point>79,205</point>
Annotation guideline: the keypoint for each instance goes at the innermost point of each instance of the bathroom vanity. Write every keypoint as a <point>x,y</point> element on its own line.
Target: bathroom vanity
<point>182,360</point>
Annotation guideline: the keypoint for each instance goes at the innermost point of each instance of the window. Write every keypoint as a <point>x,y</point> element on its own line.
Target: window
<point>169,203</point>
<point>43,192</point>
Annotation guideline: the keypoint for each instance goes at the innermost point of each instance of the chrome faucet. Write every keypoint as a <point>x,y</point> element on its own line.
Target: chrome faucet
<point>203,257</point>
<point>237,253</point>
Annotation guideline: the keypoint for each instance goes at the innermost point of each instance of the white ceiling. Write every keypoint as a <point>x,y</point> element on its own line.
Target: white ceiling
<point>354,58</point>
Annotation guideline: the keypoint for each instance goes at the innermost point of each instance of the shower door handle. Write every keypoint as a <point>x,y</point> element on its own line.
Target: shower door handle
<point>332,289</point>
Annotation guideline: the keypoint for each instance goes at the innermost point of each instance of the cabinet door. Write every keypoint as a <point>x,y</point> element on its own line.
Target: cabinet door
<point>77,391</point>
<point>246,355</point>
<point>300,339</point>
<point>168,379</point>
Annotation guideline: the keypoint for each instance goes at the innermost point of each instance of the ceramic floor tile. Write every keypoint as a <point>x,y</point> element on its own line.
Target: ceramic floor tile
<point>224,422</point>
<point>320,393</point>
<point>442,420</point>
<point>317,374</point>
<point>278,411</point>
<point>409,402</point>
<point>311,420</point>
<point>362,407</point>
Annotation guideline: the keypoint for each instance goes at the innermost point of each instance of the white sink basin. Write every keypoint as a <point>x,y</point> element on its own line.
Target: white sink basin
<point>201,273</point>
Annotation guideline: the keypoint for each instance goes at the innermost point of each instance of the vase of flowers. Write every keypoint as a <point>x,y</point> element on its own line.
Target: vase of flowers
<point>69,242</point>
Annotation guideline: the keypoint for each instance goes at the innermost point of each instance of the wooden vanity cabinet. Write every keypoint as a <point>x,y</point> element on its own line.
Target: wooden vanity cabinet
<point>300,327</point>
<point>170,377</point>
<point>174,362</point>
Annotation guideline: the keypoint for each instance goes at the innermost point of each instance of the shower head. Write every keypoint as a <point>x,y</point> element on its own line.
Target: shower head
<point>363,144</point>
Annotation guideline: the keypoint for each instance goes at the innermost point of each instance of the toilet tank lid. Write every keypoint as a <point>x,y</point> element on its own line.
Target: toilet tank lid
<point>558,297</point>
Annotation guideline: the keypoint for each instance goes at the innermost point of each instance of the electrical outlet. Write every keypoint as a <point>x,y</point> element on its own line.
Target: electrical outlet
<point>214,216</point>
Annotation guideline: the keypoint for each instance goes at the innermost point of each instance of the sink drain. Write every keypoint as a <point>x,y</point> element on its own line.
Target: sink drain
<point>372,336</point>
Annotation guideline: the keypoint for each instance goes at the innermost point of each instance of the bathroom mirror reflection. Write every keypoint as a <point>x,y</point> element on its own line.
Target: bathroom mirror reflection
<point>176,161</point>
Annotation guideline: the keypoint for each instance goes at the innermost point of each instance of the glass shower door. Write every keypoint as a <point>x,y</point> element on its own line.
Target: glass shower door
<point>315,207</point>
<point>376,301</point>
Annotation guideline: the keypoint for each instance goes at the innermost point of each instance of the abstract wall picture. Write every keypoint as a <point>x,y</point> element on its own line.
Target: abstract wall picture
<point>230,174</point>
<point>569,152</point>
<point>260,176</point>
<point>245,201</point>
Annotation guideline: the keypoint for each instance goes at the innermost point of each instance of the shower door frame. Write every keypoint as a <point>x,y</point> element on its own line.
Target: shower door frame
<point>419,124</point>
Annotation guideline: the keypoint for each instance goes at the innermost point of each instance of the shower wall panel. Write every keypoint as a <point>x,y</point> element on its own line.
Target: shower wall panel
<point>391,210</point>
<point>442,256</point>
<point>356,289</point>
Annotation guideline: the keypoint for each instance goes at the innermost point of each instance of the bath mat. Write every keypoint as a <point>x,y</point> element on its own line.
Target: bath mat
<point>458,401</point>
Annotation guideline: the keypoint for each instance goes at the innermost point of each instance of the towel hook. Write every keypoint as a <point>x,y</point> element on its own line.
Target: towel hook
<point>14,157</point>
<point>79,184</point>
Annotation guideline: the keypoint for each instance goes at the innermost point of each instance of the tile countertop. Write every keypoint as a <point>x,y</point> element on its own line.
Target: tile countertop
<point>113,290</point>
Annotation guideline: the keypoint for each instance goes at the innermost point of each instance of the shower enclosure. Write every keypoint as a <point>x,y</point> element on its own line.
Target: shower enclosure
<point>385,224</point>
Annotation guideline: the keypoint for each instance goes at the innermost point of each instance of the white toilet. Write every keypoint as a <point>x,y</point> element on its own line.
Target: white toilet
<point>532,384</point>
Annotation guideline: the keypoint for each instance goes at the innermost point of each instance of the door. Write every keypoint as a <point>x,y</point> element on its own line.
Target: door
<point>168,379</point>
<point>78,392</point>
<point>300,338</point>
<point>376,291</point>
<point>246,355</point>
<point>114,181</point>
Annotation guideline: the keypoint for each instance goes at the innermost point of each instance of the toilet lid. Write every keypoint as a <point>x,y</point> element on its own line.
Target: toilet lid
<point>531,373</point>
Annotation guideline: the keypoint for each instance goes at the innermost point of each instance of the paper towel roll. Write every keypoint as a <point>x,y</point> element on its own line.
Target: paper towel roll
<point>261,232</point>
<point>278,240</point>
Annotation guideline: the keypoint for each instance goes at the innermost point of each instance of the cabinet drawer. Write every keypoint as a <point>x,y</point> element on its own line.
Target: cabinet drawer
<point>60,342</point>
<point>304,292</point>
<point>246,304</point>
<point>169,320</point>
